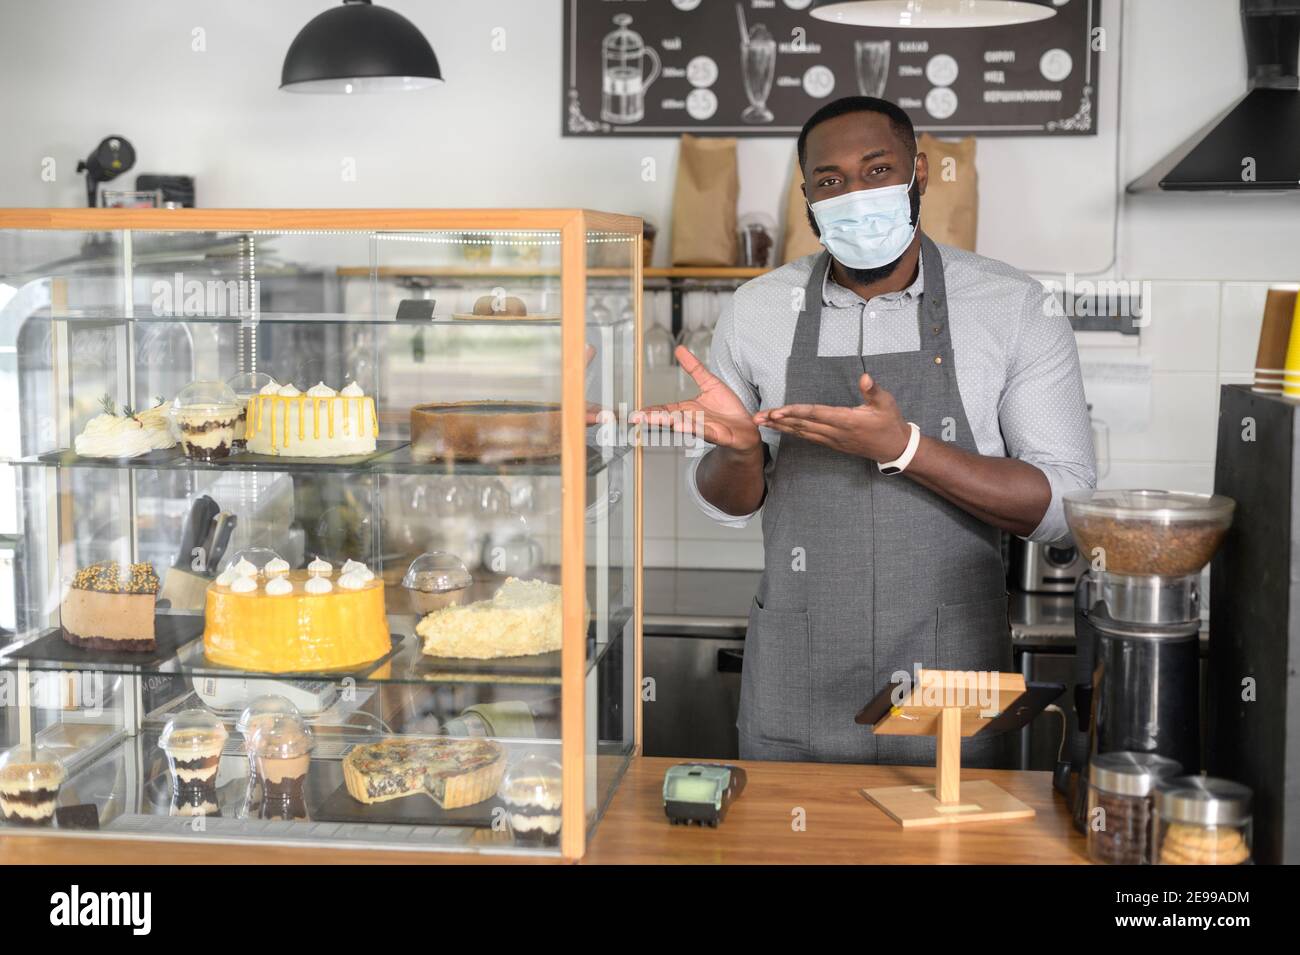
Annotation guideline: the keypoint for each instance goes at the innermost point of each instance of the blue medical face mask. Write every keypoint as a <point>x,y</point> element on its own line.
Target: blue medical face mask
<point>869,228</point>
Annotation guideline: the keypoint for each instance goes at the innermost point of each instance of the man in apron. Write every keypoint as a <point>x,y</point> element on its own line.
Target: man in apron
<point>892,407</point>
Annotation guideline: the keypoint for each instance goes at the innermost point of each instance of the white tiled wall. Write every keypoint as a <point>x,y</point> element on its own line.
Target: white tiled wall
<point>1199,335</point>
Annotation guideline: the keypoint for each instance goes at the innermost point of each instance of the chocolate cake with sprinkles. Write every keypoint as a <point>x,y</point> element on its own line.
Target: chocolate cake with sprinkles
<point>111,607</point>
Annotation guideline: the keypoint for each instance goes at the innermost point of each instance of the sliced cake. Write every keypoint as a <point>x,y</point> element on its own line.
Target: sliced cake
<point>522,618</point>
<point>453,772</point>
<point>111,607</point>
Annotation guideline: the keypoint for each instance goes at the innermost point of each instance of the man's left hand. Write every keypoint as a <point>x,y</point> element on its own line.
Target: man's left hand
<point>875,429</point>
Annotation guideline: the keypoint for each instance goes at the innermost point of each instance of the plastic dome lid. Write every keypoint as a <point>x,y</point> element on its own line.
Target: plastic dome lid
<point>246,384</point>
<point>533,781</point>
<point>281,736</point>
<point>193,731</point>
<point>1162,507</point>
<point>437,572</point>
<point>32,767</point>
<point>205,395</point>
<point>261,710</point>
<point>259,557</point>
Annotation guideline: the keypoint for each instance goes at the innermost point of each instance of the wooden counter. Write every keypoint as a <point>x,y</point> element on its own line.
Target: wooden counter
<point>841,826</point>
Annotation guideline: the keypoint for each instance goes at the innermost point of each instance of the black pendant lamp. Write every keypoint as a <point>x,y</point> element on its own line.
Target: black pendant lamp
<point>359,48</point>
<point>938,14</point>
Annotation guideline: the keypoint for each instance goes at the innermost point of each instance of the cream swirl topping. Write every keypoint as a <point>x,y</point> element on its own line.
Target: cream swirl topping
<point>276,567</point>
<point>279,587</point>
<point>357,568</point>
<point>351,581</point>
<point>318,585</point>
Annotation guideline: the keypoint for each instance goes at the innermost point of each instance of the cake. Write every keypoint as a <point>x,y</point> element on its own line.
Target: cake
<point>204,415</point>
<point>487,431</point>
<point>322,423</point>
<point>435,580</point>
<point>522,618</point>
<point>193,740</point>
<point>108,609</point>
<point>125,434</point>
<point>532,791</point>
<point>282,621</point>
<point>281,747</point>
<point>29,792</point>
<point>453,772</point>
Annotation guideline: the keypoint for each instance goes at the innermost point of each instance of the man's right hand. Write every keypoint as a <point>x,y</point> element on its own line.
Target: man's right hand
<point>715,414</point>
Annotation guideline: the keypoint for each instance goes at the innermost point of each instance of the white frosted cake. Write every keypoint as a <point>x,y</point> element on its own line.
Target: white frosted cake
<point>318,423</point>
<point>124,434</point>
<point>521,619</point>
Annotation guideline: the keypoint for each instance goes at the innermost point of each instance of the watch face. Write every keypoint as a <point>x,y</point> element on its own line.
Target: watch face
<point>890,470</point>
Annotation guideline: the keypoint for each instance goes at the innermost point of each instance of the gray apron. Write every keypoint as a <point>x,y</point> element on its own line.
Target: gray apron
<point>866,574</point>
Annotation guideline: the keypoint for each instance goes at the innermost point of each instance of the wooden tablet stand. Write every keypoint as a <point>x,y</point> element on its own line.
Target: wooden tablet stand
<point>946,704</point>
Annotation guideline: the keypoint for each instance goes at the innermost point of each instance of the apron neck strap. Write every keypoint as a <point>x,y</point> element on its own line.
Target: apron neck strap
<point>807,331</point>
<point>932,315</point>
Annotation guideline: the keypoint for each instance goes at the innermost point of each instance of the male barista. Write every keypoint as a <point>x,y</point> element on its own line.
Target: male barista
<point>892,405</point>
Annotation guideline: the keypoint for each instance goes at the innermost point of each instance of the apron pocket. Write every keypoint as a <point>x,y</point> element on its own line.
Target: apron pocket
<point>777,658</point>
<point>973,636</point>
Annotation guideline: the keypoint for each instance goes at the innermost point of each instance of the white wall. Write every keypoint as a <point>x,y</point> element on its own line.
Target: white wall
<point>72,71</point>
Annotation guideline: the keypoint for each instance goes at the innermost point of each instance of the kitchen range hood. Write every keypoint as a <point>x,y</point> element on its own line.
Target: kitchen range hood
<point>1254,145</point>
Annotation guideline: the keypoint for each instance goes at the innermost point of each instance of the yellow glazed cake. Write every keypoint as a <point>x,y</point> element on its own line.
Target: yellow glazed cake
<point>282,621</point>
<point>318,423</point>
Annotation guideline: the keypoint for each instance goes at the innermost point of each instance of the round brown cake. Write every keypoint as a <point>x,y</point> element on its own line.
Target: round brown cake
<point>487,431</point>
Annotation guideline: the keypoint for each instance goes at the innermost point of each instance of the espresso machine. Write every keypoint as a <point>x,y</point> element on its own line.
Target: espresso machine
<point>1137,624</point>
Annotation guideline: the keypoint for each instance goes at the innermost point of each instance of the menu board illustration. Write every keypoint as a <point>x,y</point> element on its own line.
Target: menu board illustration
<point>761,67</point>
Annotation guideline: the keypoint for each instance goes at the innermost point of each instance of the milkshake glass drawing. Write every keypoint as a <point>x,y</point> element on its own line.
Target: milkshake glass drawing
<point>872,58</point>
<point>758,60</point>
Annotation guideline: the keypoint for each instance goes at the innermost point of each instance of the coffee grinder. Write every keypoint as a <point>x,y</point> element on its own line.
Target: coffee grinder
<point>1137,626</point>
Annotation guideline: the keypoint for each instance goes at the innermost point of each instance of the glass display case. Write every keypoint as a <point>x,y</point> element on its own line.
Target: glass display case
<point>319,528</point>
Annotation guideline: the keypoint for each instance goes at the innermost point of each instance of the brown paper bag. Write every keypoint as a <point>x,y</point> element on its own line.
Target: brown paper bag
<point>950,206</point>
<point>799,238</point>
<point>949,209</point>
<point>704,202</point>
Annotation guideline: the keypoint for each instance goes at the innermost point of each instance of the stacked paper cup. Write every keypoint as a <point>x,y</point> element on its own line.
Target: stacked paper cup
<point>1277,363</point>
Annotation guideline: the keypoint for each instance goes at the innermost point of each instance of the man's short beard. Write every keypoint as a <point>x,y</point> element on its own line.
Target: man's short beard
<point>880,272</point>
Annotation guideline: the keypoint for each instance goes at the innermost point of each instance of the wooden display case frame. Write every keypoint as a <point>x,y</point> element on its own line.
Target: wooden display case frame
<point>574,227</point>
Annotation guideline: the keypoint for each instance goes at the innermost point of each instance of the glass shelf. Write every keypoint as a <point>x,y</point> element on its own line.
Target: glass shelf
<point>406,664</point>
<point>391,457</point>
<point>115,316</point>
<point>142,810</point>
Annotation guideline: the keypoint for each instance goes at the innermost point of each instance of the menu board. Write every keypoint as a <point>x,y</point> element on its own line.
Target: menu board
<point>762,67</point>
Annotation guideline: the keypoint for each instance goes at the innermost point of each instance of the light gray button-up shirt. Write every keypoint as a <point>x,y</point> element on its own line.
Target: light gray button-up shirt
<point>1017,362</point>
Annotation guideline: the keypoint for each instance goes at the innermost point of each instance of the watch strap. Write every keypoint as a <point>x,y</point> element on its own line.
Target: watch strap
<point>899,464</point>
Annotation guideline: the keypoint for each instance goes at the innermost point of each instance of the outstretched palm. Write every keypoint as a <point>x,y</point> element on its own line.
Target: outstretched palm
<point>715,414</point>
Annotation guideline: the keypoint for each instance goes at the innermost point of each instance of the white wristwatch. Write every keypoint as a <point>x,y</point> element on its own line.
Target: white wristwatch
<point>900,463</point>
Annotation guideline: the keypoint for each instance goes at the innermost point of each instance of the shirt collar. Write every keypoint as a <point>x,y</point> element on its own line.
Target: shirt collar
<point>836,295</point>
